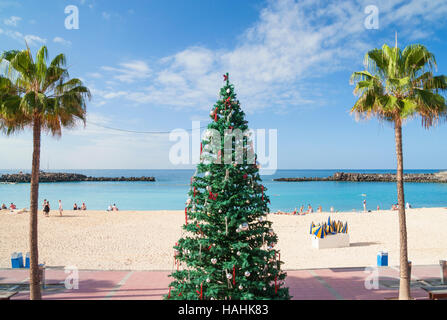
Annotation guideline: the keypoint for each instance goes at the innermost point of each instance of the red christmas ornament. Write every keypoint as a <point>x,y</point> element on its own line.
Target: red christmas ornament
<point>262,188</point>
<point>245,176</point>
<point>186,216</point>
<point>213,196</point>
<point>215,115</point>
<point>225,77</point>
<point>169,293</point>
<point>200,149</point>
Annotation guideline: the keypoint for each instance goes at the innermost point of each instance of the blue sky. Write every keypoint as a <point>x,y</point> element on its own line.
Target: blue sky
<point>157,65</point>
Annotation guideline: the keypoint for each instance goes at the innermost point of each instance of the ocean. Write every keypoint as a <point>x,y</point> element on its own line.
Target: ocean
<point>169,192</point>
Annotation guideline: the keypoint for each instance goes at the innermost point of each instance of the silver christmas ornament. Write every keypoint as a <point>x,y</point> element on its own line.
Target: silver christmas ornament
<point>247,273</point>
<point>238,253</point>
<point>207,174</point>
<point>244,226</point>
<point>228,90</point>
<point>229,276</point>
<point>241,287</point>
<point>213,260</point>
<point>208,280</point>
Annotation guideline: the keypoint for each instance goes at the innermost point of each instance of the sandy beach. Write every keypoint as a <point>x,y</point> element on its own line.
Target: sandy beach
<point>143,240</point>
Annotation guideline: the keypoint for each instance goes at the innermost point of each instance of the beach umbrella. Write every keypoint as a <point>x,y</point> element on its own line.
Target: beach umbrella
<point>329,220</point>
<point>318,231</point>
<point>345,228</point>
<point>312,225</point>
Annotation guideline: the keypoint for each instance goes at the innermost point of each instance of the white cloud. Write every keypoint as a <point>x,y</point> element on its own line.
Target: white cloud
<point>276,61</point>
<point>62,41</point>
<point>106,15</point>
<point>12,21</point>
<point>34,40</point>
<point>129,71</point>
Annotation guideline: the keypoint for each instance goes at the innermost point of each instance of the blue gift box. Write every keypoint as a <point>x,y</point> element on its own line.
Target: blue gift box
<point>382,259</point>
<point>27,260</point>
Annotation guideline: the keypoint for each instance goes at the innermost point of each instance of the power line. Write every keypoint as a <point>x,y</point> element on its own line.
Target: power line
<point>139,132</point>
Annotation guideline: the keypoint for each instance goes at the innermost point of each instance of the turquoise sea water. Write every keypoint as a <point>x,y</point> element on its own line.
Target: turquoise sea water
<point>170,191</point>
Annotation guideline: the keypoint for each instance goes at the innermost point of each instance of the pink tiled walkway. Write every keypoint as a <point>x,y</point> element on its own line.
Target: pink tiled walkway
<point>316,284</point>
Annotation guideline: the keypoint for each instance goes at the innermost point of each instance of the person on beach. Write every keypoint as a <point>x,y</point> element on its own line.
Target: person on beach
<point>60,208</point>
<point>364,205</point>
<point>4,206</point>
<point>310,209</point>
<point>320,209</point>
<point>332,209</point>
<point>301,210</point>
<point>109,208</point>
<point>46,209</point>
<point>12,207</point>
<point>114,208</point>
<point>75,207</point>
<point>378,208</point>
<point>84,207</point>
<point>408,206</point>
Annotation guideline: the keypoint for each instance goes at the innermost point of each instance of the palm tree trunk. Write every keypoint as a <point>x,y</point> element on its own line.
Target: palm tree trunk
<point>404,286</point>
<point>35,293</point>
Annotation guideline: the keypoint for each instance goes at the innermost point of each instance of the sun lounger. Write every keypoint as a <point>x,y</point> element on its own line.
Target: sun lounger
<point>6,295</point>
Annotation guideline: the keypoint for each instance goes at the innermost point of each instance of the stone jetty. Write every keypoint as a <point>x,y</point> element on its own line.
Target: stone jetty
<point>440,177</point>
<point>65,177</point>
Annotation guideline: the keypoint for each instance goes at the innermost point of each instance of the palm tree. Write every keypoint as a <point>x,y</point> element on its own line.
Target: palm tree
<point>397,86</point>
<point>42,97</point>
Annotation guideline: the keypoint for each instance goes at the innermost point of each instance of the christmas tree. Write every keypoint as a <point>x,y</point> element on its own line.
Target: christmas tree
<point>227,248</point>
